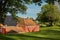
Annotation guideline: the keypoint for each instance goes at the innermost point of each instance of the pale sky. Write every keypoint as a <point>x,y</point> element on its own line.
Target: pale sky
<point>31,11</point>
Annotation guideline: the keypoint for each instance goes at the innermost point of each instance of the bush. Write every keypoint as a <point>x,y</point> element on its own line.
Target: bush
<point>43,25</point>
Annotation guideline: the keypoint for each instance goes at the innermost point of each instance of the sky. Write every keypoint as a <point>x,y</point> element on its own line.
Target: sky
<point>32,11</point>
<point>58,5</point>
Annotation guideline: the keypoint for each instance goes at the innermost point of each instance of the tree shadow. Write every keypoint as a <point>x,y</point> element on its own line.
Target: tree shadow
<point>27,37</point>
<point>48,32</point>
<point>3,37</point>
<point>31,37</point>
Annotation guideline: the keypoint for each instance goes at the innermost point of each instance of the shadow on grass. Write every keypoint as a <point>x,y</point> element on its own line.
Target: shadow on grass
<point>27,37</point>
<point>48,32</point>
<point>3,37</point>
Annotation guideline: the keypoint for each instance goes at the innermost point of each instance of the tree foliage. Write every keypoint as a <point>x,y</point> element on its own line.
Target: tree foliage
<point>13,6</point>
<point>49,13</point>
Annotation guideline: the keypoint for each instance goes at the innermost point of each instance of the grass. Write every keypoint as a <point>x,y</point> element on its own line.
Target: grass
<point>45,33</point>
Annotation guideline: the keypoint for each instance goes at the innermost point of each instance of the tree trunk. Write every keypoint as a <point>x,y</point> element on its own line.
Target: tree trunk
<point>2,17</point>
<point>2,10</point>
<point>51,24</point>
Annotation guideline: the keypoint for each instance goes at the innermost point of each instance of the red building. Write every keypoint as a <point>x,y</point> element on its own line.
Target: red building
<point>2,29</point>
<point>25,25</point>
<point>28,25</point>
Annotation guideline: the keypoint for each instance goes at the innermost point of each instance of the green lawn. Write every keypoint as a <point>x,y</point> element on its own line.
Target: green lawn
<point>45,33</point>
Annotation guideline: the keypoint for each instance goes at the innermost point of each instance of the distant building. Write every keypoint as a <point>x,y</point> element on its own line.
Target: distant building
<point>24,25</point>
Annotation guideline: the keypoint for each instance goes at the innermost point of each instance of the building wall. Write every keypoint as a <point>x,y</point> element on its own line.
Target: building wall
<point>22,29</point>
<point>25,25</point>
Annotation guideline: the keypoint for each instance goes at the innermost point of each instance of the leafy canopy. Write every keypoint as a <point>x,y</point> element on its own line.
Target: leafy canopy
<point>13,6</point>
<point>49,13</point>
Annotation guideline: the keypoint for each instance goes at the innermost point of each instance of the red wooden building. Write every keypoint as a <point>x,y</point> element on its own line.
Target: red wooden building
<point>25,25</point>
<point>28,25</point>
<point>2,29</point>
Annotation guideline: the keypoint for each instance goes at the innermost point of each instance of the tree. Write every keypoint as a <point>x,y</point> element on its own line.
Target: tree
<point>49,13</point>
<point>13,6</point>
